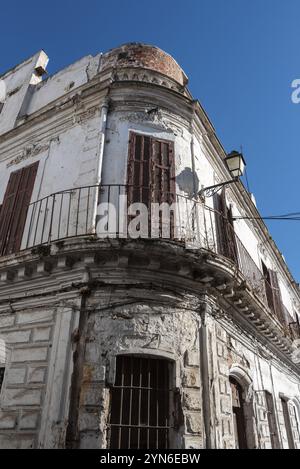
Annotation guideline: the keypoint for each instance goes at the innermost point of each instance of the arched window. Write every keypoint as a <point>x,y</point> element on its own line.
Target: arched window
<point>239,421</point>
<point>141,401</point>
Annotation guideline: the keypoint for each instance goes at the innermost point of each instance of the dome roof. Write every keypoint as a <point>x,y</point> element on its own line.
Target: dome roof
<point>144,56</point>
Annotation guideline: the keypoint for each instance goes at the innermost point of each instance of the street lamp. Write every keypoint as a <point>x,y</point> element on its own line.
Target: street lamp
<point>236,165</point>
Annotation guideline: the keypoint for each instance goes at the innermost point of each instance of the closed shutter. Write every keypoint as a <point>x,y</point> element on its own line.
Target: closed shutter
<point>163,172</point>
<point>14,208</point>
<point>7,207</point>
<point>277,301</point>
<point>224,227</point>
<point>151,172</point>
<point>139,168</point>
<point>268,288</point>
<point>220,208</point>
<point>232,248</point>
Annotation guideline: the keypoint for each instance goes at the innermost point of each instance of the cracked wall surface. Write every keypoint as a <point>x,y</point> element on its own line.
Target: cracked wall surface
<point>70,306</point>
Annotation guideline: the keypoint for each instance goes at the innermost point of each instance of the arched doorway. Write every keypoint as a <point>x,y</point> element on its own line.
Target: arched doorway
<point>243,407</point>
<point>238,412</point>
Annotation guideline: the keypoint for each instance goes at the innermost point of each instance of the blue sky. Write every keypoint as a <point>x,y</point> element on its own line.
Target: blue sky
<point>241,57</point>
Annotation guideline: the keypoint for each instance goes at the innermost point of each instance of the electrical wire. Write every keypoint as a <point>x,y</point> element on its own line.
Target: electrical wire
<point>289,216</point>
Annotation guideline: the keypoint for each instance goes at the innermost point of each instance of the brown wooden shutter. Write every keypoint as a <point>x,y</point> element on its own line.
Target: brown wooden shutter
<point>224,227</point>
<point>277,301</point>
<point>138,171</point>
<point>220,224</point>
<point>7,207</point>
<point>151,172</point>
<point>163,171</point>
<point>14,208</point>
<point>232,248</point>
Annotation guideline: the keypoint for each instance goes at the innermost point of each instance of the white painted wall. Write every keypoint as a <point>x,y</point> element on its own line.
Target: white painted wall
<point>17,83</point>
<point>69,159</point>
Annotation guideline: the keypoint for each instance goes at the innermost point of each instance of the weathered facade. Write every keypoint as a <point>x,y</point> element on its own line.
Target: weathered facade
<point>112,341</point>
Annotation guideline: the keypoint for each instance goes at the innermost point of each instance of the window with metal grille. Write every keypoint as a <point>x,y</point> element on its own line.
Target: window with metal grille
<point>1,376</point>
<point>141,404</point>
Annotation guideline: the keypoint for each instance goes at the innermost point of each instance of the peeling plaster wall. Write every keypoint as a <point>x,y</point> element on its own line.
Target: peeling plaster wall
<point>18,82</point>
<point>229,352</point>
<point>145,328</point>
<point>73,148</point>
<point>134,319</point>
<point>40,345</point>
<point>64,81</point>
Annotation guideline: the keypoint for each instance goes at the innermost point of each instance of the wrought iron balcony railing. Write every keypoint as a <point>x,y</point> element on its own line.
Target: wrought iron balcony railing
<point>105,211</point>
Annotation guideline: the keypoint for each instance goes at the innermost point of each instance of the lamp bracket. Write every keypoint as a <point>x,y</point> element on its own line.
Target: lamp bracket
<point>211,190</point>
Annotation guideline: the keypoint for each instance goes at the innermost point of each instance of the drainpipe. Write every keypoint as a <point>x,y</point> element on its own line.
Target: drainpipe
<point>103,128</point>
<point>193,164</point>
<point>275,406</point>
<point>204,374</point>
<point>195,188</point>
<point>78,338</point>
<point>56,139</point>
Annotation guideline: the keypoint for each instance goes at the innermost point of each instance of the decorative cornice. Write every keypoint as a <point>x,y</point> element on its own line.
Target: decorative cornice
<point>147,76</point>
<point>40,273</point>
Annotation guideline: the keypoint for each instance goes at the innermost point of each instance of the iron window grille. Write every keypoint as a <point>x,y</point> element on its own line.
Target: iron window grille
<point>141,401</point>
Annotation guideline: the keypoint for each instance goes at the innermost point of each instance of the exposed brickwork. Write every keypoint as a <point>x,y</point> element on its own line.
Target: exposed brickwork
<point>144,56</point>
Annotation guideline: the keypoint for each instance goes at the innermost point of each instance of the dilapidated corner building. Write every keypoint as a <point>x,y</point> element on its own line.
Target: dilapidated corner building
<point>120,342</point>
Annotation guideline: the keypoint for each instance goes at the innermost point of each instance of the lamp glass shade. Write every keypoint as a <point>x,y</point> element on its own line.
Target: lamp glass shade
<point>235,163</point>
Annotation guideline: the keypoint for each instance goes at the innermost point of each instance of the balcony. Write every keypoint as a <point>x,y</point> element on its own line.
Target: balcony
<point>102,211</point>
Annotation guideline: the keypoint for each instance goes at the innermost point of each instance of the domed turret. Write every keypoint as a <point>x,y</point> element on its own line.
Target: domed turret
<point>136,55</point>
